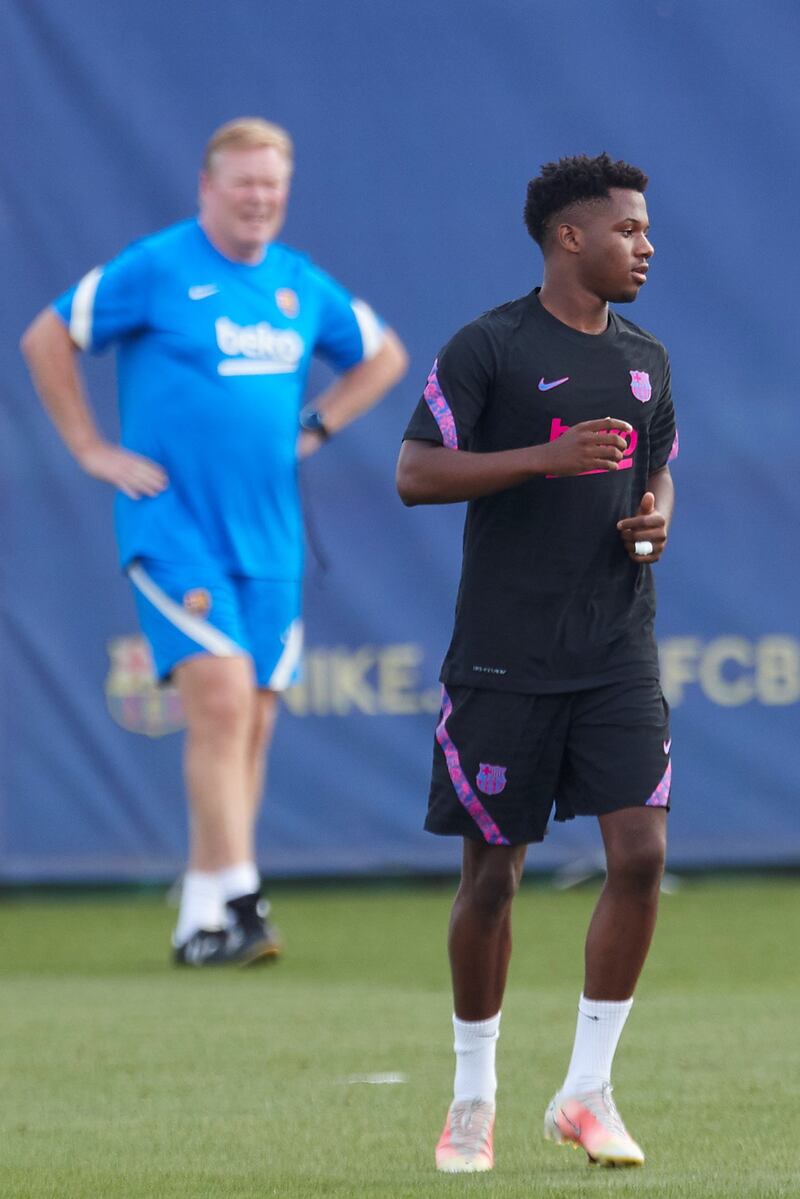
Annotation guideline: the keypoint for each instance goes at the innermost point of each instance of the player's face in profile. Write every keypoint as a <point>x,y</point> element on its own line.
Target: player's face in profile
<point>616,251</point>
<point>243,199</point>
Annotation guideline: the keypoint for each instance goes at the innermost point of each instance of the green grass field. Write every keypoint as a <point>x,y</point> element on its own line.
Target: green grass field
<point>121,1076</point>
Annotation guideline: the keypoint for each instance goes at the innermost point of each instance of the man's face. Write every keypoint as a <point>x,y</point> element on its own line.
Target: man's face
<point>243,200</point>
<point>615,251</point>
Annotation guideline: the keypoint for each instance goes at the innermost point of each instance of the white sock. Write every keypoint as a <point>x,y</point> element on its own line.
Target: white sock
<point>235,881</point>
<point>475,1045</point>
<point>202,905</point>
<point>600,1025</point>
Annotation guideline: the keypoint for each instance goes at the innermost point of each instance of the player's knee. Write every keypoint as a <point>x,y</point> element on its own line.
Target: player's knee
<point>491,890</point>
<point>640,866</point>
<point>223,711</point>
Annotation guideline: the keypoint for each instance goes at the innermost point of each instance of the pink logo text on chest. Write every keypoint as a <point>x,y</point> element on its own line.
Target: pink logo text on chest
<point>640,385</point>
<point>558,429</point>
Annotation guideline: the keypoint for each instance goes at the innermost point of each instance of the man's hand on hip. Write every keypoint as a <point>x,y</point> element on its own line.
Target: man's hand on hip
<point>133,474</point>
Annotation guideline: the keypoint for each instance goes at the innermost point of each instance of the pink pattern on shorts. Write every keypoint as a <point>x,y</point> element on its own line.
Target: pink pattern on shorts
<point>466,796</point>
<point>660,797</point>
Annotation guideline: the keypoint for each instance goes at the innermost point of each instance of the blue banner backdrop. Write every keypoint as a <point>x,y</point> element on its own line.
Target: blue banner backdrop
<point>417,128</point>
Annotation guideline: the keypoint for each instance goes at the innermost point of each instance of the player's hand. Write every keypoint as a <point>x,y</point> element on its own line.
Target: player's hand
<point>647,525</point>
<point>308,442</point>
<point>133,474</point>
<point>590,445</point>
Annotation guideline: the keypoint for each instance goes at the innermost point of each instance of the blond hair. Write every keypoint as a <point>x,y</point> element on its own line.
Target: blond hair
<point>247,133</point>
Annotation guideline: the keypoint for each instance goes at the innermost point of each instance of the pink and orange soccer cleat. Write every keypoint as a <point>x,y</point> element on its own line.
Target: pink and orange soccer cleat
<point>465,1146</point>
<point>592,1121</point>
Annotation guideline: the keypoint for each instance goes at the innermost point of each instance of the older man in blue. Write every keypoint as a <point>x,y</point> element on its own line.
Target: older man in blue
<point>214,324</point>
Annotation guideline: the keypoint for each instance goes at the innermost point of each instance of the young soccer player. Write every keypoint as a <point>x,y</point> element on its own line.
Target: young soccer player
<point>552,416</point>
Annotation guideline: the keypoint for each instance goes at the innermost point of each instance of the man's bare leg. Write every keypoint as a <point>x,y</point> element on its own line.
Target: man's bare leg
<point>262,729</point>
<point>240,884</point>
<point>479,938</point>
<point>480,950</point>
<point>624,919</point>
<point>617,942</point>
<point>218,697</point>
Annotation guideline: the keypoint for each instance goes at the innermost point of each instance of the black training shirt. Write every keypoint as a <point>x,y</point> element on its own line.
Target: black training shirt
<point>549,599</point>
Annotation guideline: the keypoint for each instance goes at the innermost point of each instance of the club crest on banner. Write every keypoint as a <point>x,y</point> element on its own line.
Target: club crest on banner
<point>640,385</point>
<point>134,698</point>
<point>491,780</point>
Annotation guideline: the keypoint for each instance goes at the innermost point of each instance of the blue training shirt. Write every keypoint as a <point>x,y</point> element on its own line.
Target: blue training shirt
<point>212,361</point>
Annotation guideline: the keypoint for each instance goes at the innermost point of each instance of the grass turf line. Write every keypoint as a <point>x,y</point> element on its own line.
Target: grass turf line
<point>122,1077</point>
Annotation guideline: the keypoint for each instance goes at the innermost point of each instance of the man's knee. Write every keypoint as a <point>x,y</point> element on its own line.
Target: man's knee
<point>219,699</point>
<point>225,711</point>
<point>638,865</point>
<point>490,881</point>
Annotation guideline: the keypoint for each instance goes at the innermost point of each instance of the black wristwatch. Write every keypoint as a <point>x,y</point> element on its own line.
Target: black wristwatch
<point>311,421</point>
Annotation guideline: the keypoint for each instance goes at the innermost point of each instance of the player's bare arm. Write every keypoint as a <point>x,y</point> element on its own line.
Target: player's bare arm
<point>429,473</point>
<point>651,523</point>
<point>51,355</point>
<point>356,391</point>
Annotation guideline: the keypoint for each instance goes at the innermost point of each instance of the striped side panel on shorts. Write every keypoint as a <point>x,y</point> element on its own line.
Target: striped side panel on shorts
<point>197,628</point>
<point>281,676</point>
<point>660,797</point>
<point>466,796</point>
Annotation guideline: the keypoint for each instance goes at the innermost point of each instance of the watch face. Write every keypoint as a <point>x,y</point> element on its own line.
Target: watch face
<point>312,422</point>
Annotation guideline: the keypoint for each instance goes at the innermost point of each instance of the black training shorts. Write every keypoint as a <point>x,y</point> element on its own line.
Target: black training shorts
<point>501,760</point>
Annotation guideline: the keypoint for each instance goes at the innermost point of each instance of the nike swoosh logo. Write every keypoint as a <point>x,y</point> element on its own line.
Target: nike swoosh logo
<point>202,291</point>
<point>667,746</point>
<point>549,386</point>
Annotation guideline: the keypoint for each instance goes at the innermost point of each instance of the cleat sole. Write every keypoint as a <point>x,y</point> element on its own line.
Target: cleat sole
<point>463,1167</point>
<point>615,1162</point>
<point>260,957</point>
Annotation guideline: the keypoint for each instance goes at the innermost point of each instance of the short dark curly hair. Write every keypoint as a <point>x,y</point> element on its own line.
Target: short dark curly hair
<point>577,180</point>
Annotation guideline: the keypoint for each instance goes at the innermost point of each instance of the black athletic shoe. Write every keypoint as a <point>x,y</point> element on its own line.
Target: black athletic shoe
<point>204,948</point>
<point>251,937</point>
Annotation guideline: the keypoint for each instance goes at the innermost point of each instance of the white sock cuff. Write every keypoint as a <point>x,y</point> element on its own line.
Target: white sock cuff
<point>200,878</point>
<point>201,905</point>
<point>471,1034</point>
<point>598,1029</point>
<point>475,1046</point>
<point>604,1009</point>
<point>235,881</point>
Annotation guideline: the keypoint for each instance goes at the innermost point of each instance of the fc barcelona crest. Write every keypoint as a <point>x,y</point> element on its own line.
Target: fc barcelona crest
<point>288,301</point>
<point>491,780</point>
<point>640,385</point>
<point>197,601</point>
<point>135,700</point>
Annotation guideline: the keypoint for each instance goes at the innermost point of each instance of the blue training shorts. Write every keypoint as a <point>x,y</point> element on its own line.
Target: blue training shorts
<point>188,610</point>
